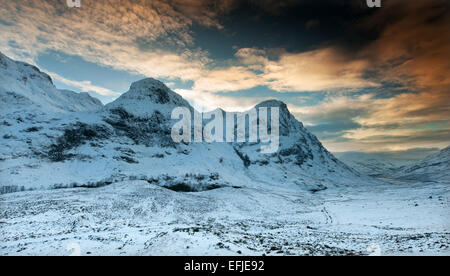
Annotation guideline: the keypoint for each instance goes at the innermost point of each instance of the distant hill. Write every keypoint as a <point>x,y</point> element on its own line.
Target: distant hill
<point>435,167</point>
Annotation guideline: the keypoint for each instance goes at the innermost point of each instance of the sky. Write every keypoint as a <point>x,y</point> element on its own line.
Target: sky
<point>360,78</point>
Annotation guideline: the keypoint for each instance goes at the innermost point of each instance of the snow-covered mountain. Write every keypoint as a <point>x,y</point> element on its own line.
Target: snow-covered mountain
<point>25,87</point>
<point>435,167</point>
<point>130,138</point>
<point>373,164</point>
<point>147,96</point>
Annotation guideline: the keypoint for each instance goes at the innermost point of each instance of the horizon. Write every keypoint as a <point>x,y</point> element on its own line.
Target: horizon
<point>347,73</point>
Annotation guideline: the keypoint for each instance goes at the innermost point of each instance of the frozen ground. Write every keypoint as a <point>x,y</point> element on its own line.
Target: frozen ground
<point>140,218</point>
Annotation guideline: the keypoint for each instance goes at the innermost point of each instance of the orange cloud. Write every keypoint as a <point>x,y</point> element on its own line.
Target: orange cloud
<point>415,49</point>
<point>396,123</point>
<point>322,69</point>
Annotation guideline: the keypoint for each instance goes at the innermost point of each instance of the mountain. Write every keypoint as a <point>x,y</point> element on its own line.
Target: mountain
<point>373,164</point>
<point>147,96</point>
<point>130,138</point>
<point>25,87</point>
<point>435,167</point>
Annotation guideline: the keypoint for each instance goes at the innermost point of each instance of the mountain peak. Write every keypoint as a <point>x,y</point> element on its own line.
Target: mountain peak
<point>272,103</point>
<point>153,89</point>
<point>284,111</point>
<point>288,123</point>
<point>20,80</point>
<point>146,96</point>
<point>149,83</point>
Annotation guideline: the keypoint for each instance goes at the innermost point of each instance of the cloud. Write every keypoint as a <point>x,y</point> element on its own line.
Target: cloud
<point>84,86</point>
<point>412,50</point>
<point>228,79</point>
<point>317,70</point>
<point>413,47</point>
<point>253,58</point>
<point>204,101</point>
<point>134,36</point>
<point>108,33</point>
<point>369,123</point>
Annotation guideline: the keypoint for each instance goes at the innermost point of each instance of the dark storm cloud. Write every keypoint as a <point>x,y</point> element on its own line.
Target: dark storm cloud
<point>294,25</point>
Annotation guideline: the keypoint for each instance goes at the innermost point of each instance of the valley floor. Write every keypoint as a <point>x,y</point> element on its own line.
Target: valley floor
<point>139,218</point>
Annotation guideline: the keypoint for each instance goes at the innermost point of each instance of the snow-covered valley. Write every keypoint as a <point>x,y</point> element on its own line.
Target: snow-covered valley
<point>140,218</point>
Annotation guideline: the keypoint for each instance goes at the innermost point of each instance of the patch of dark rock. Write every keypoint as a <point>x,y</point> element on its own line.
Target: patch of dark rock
<point>262,162</point>
<point>222,246</point>
<point>33,129</point>
<point>244,157</point>
<point>214,176</point>
<point>188,230</point>
<point>48,136</point>
<point>158,155</point>
<point>5,123</point>
<point>189,183</point>
<point>145,131</point>
<point>185,152</point>
<point>186,188</point>
<point>140,177</point>
<point>126,151</point>
<point>319,188</point>
<point>88,185</point>
<point>300,154</point>
<point>275,248</point>
<point>127,159</point>
<point>163,96</point>
<point>153,180</point>
<point>95,145</point>
<point>75,136</point>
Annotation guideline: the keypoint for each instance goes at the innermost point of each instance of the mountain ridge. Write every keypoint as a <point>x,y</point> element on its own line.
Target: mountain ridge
<point>24,83</point>
<point>130,139</point>
<point>435,167</point>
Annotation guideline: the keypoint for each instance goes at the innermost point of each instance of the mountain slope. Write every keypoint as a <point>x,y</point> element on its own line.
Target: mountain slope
<point>147,96</point>
<point>435,167</point>
<point>25,87</point>
<point>373,164</point>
